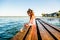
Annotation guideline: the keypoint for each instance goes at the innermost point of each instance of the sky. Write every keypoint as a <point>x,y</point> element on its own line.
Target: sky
<point>20,7</point>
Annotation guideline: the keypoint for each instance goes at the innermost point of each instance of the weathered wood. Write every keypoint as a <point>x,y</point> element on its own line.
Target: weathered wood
<point>53,26</point>
<point>53,31</point>
<point>20,35</point>
<point>31,33</point>
<point>44,34</point>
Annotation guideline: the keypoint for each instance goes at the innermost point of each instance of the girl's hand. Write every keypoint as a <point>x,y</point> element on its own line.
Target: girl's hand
<point>26,25</point>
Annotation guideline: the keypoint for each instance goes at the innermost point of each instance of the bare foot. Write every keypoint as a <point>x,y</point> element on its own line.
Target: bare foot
<point>21,30</point>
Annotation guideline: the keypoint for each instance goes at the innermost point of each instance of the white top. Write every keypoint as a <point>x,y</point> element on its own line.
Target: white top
<point>32,22</point>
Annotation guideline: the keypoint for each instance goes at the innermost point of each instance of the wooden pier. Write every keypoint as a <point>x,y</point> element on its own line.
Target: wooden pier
<point>41,31</point>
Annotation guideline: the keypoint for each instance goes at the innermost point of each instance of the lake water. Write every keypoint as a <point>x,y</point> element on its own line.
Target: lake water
<point>9,26</point>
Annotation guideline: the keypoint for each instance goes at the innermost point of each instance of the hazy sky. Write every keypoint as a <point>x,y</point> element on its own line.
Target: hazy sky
<point>20,7</point>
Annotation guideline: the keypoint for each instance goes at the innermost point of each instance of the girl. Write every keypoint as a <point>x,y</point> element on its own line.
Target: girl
<point>32,19</point>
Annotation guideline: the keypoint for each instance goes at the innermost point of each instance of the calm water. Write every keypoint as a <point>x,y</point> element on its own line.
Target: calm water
<point>9,26</point>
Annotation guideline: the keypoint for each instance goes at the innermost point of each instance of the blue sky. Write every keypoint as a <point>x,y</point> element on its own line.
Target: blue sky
<point>20,7</point>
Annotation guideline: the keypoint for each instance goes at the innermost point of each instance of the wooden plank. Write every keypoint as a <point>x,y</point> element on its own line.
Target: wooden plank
<point>52,25</point>
<point>44,34</point>
<point>32,35</point>
<point>20,35</point>
<point>28,37</point>
<point>53,31</point>
<point>55,26</point>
